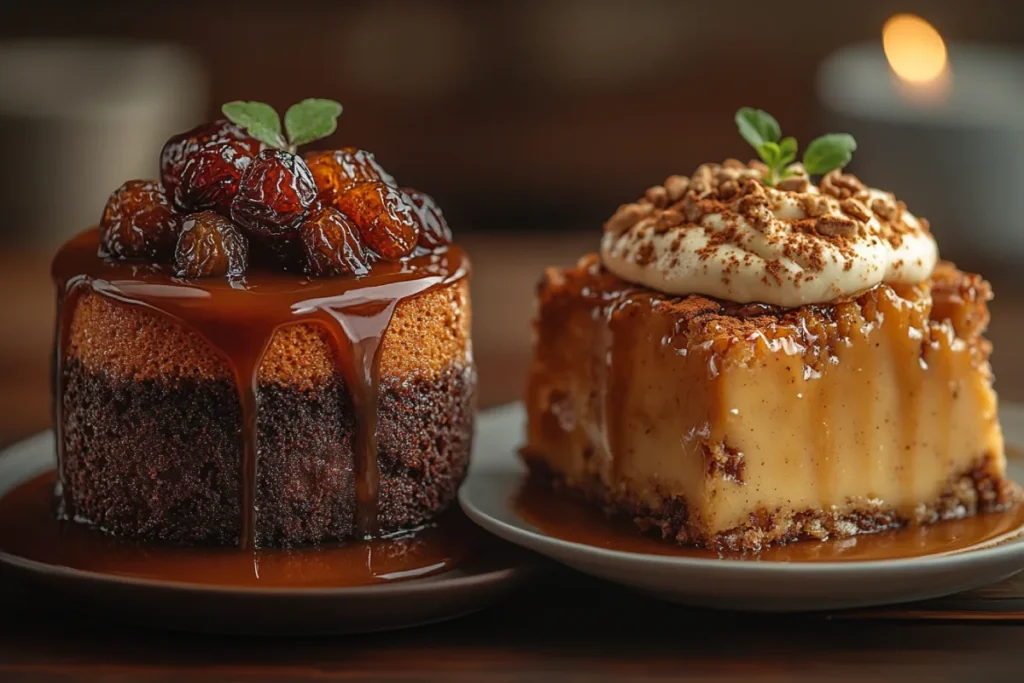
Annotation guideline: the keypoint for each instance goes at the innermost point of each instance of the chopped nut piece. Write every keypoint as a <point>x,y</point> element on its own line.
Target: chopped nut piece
<point>726,173</point>
<point>815,206</point>
<point>837,226</point>
<point>841,185</point>
<point>752,187</point>
<point>658,196</point>
<point>676,186</point>
<point>669,218</point>
<point>734,164</point>
<point>886,210</point>
<point>854,208</point>
<point>692,209</point>
<point>728,189</point>
<point>702,181</point>
<point>794,184</point>
<point>626,217</point>
<point>752,202</point>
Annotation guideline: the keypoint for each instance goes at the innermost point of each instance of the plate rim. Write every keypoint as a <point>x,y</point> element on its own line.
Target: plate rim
<point>508,467</point>
<point>514,572</point>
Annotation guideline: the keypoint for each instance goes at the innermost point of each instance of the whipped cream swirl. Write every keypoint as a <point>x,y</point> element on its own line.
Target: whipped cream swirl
<point>725,234</point>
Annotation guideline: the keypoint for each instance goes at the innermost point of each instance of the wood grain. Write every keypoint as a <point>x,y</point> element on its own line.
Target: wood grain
<point>567,627</point>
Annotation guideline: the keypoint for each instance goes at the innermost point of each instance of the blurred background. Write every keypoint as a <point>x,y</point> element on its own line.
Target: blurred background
<point>529,121</point>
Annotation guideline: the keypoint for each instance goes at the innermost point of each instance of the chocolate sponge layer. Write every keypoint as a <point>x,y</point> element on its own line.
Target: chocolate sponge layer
<point>157,459</point>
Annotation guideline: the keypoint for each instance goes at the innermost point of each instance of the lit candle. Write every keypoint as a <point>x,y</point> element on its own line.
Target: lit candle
<point>940,126</point>
<point>917,56</point>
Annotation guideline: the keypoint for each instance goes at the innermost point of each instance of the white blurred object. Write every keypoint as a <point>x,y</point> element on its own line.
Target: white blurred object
<point>77,119</point>
<point>951,146</point>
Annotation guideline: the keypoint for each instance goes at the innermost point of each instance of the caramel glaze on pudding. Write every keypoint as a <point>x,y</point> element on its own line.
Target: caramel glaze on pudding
<point>736,424</point>
<point>277,410</point>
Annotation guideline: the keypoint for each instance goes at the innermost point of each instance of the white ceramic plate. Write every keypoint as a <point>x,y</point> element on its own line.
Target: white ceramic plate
<point>496,474</point>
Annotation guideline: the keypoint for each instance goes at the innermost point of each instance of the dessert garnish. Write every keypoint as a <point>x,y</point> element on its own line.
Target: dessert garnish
<point>327,213</point>
<point>826,153</point>
<point>274,273</point>
<point>763,232</point>
<point>305,122</point>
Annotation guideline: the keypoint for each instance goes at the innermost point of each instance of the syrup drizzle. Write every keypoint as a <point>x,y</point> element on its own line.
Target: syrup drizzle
<point>239,319</point>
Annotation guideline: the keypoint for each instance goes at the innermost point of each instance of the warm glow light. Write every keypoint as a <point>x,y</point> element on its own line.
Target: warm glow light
<point>915,50</point>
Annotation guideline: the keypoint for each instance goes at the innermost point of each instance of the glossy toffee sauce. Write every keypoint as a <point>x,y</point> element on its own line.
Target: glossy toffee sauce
<point>31,529</point>
<point>238,319</point>
<point>578,522</point>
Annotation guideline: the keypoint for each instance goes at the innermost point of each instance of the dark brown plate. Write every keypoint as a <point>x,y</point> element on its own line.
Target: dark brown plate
<point>481,581</point>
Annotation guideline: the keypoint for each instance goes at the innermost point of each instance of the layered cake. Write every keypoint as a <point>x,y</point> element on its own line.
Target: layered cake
<point>763,352</point>
<point>264,348</point>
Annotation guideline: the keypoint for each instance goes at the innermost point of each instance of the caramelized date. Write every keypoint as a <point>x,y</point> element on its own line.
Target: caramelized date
<point>274,195</point>
<point>179,148</point>
<point>331,244</point>
<point>434,230</point>
<point>210,178</point>
<point>210,246</point>
<point>138,222</point>
<point>337,169</point>
<point>384,218</point>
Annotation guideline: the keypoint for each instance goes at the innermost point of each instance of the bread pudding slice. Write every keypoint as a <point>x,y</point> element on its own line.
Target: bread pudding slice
<point>735,426</point>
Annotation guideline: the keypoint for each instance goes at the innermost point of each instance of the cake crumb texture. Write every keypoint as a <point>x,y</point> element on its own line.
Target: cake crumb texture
<point>153,460</point>
<point>427,333</point>
<point>761,424</point>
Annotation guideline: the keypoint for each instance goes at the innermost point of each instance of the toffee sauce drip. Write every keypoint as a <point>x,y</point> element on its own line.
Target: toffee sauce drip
<point>238,318</point>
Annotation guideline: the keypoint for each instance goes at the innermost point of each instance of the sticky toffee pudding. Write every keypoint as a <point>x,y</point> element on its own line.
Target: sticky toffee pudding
<point>264,349</point>
<point>754,358</point>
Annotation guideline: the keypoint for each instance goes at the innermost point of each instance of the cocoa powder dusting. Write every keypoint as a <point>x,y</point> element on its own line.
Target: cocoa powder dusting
<point>644,254</point>
<point>842,212</point>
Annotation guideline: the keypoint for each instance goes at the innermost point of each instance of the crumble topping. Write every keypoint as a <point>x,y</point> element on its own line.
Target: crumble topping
<point>724,232</point>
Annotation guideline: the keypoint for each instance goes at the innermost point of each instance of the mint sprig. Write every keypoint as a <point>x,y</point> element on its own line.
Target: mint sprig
<point>762,131</point>
<point>311,119</point>
<point>259,119</point>
<point>829,152</point>
<point>307,121</point>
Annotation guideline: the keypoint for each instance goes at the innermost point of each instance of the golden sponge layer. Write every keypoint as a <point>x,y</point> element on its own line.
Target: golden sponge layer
<point>428,333</point>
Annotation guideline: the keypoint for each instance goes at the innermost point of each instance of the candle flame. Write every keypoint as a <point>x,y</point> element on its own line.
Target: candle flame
<point>915,50</point>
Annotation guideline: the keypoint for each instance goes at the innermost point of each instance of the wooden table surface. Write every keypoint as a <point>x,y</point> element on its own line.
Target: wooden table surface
<point>565,627</point>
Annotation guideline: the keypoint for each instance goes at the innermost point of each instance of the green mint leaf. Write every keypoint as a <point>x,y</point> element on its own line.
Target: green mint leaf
<point>787,147</point>
<point>757,127</point>
<point>258,119</point>
<point>770,153</point>
<point>311,119</point>
<point>828,153</point>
